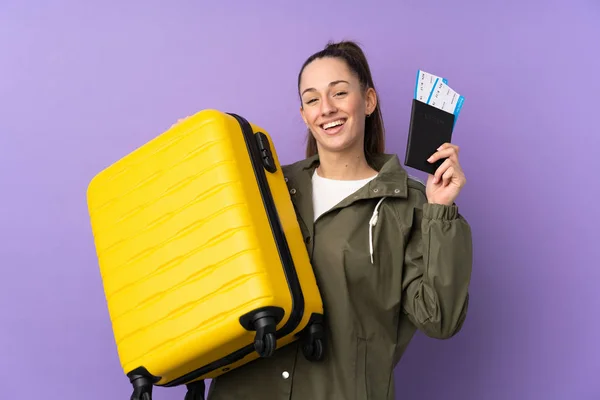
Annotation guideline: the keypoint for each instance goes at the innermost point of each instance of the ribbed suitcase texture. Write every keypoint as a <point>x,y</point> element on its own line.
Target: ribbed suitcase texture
<point>196,234</point>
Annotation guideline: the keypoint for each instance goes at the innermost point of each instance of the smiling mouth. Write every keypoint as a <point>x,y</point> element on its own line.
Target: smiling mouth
<point>333,124</point>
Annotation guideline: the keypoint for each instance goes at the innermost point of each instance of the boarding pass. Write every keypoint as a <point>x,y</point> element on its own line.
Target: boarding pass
<point>434,90</point>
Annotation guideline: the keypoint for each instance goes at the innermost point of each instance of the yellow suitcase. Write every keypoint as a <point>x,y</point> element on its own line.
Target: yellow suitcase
<point>202,259</point>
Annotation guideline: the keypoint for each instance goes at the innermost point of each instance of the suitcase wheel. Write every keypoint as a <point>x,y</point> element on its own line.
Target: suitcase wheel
<point>313,351</point>
<point>142,389</point>
<point>264,322</point>
<point>265,346</point>
<point>142,382</point>
<point>313,346</point>
<point>195,390</point>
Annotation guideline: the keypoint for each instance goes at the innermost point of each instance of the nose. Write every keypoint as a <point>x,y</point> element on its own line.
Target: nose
<point>327,107</point>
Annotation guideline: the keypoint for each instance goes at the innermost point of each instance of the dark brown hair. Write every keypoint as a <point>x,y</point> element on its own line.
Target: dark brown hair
<point>351,53</point>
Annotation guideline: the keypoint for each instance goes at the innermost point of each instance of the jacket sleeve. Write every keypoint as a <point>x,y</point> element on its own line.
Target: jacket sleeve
<point>437,271</point>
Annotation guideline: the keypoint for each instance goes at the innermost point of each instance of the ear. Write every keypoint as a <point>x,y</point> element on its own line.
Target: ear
<point>370,101</point>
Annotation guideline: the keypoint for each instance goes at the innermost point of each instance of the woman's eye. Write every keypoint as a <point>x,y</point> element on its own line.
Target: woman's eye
<point>340,93</point>
<point>311,101</point>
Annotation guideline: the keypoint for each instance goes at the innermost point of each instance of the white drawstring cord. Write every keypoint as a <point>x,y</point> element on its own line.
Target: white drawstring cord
<point>372,223</point>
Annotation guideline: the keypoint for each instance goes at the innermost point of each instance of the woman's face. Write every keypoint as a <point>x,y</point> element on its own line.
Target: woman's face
<point>334,106</point>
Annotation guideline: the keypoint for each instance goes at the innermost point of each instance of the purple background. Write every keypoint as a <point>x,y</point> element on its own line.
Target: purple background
<point>84,83</point>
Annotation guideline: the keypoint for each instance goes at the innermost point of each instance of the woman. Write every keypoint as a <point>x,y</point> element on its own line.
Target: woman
<point>391,255</point>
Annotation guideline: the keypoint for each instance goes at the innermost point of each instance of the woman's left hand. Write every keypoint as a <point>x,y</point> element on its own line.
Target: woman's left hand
<point>444,186</point>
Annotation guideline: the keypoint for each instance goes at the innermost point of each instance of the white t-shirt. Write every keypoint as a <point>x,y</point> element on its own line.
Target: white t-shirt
<point>329,192</point>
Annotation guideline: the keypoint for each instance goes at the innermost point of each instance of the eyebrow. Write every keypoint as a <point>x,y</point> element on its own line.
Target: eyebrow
<point>330,85</point>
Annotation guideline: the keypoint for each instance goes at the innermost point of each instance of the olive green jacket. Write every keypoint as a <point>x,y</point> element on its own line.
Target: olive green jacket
<point>418,278</point>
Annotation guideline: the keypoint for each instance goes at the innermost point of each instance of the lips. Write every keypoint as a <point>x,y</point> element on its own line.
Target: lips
<point>333,124</point>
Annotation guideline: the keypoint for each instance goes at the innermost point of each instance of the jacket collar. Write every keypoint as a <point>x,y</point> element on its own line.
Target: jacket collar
<point>391,181</point>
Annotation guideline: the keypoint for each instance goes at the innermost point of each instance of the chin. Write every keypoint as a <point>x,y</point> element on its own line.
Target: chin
<point>336,144</point>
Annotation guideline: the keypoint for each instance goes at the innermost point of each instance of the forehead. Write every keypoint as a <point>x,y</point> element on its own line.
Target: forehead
<point>321,72</point>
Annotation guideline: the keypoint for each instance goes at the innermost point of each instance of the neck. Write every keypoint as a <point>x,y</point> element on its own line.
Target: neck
<point>344,166</point>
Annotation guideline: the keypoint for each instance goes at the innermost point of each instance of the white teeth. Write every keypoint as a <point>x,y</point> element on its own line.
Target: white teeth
<point>332,124</point>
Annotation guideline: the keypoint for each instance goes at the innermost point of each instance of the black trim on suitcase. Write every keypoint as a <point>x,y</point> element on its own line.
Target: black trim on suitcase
<point>262,159</point>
